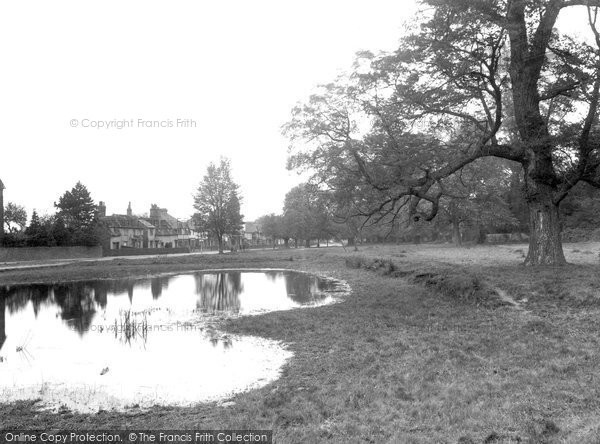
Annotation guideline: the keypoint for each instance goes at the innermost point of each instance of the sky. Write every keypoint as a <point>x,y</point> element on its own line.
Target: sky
<point>135,99</point>
<point>234,69</point>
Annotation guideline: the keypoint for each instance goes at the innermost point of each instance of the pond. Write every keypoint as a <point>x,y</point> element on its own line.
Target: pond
<point>129,343</point>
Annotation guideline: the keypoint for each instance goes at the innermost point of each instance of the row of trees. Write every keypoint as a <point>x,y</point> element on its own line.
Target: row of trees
<point>306,217</point>
<point>75,223</point>
<point>476,204</point>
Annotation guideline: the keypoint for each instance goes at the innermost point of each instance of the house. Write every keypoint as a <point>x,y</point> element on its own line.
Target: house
<point>127,230</point>
<point>158,230</point>
<point>171,232</point>
<point>253,234</point>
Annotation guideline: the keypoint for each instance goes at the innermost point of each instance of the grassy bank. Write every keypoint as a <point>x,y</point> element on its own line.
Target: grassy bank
<point>435,344</point>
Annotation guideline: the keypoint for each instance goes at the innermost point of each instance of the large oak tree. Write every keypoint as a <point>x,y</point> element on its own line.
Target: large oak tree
<point>476,78</point>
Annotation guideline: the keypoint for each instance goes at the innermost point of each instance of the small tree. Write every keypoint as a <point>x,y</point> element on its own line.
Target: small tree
<point>39,231</point>
<point>273,226</point>
<point>306,214</point>
<point>78,215</point>
<point>59,231</point>
<point>77,208</point>
<point>217,203</point>
<point>15,217</point>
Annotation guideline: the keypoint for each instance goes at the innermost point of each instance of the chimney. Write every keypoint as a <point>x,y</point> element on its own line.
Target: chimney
<point>101,209</point>
<point>154,212</point>
<point>129,212</point>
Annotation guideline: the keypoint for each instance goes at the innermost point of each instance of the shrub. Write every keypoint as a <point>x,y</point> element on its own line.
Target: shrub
<point>384,267</point>
<point>356,262</point>
<point>463,286</point>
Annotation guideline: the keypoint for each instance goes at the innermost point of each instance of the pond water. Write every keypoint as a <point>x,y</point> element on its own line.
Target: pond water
<point>139,342</point>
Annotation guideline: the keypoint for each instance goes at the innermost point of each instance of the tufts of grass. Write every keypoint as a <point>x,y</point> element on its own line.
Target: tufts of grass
<point>384,267</point>
<point>456,284</point>
<point>463,286</point>
<point>356,262</point>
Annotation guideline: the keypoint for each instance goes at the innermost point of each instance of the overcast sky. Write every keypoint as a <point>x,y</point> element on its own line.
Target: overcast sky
<point>235,68</point>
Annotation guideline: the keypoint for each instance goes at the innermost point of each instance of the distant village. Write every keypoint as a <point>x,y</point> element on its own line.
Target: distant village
<point>162,230</point>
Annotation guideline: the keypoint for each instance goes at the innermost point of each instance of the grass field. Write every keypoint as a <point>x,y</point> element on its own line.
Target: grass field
<point>435,344</point>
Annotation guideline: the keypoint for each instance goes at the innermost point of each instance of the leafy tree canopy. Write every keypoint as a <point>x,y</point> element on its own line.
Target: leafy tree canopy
<point>217,202</point>
<point>77,208</point>
<point>474,79</point>
<point>15,217</point>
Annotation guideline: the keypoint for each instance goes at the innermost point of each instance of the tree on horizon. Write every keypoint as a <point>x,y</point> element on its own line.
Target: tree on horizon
<point>77,217</point>
<point>217,203</point>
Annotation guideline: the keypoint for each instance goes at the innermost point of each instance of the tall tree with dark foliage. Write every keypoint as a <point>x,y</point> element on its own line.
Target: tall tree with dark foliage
<point>77,214</point>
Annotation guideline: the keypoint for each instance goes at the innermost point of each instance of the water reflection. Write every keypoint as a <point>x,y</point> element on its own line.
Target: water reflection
<point>80,303</point>
<point>2,321</point>
<point>147,339</point>
<point>219,292</point>
<point>158,284</point>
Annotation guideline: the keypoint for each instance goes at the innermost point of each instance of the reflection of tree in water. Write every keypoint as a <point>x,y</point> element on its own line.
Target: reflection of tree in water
<point>274,276</point>
<point>77,304</point>
<point>130,292</point>
<point>101,289</point>
<point>78,301</point>
<point>2,321</point>
<point>75,300</point>
<point>18,297</point>
<point>158,284</point>
<point>219,292</point>
<point>303,288</point>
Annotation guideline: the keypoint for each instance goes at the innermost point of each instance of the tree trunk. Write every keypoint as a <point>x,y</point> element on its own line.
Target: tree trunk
<point>307,243</point>
<point>481,235</point>
<point>220,240</point>
<point>456,237</point>
<point>541,180</point>
<point>545,243</point>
